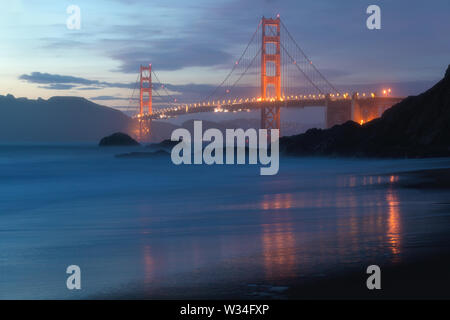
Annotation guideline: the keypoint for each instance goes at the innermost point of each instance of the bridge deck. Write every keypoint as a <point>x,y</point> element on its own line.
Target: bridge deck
<point>246,106</point>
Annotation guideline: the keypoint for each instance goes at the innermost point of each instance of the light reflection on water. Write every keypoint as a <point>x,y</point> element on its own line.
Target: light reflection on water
<point>149,265</point>
<point>278,242</point>
<point>282,245</point>
<point>394,223</point>
<point>143,222</point>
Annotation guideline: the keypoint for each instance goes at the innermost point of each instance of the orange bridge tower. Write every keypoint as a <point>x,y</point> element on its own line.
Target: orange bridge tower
<point>270,71</point>
<point>146,89</point>
<point>145,102</point>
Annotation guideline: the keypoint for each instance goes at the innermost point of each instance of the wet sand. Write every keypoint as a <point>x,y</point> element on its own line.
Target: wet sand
<point>427,179</point>
<point>425,277</point>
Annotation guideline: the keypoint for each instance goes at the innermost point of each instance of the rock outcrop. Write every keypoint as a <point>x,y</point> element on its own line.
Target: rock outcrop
<point>118,139</point>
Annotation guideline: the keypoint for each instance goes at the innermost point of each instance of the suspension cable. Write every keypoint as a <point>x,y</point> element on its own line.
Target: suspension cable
<point>293,60</point>
<point>164,87</point>
<point>306,57</point>
<point>243,73</point>
<point>236,64</point>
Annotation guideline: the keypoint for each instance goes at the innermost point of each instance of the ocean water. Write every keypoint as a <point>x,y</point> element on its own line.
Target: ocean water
<point>147,228</point>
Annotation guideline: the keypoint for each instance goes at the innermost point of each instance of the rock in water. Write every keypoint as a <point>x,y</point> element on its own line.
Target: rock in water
<point>118,139</point>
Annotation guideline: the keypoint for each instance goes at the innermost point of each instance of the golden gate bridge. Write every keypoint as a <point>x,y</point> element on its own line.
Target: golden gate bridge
<point>272,72</point>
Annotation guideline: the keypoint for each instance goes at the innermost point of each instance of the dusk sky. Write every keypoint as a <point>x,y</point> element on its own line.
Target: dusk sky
<point>197,41</point>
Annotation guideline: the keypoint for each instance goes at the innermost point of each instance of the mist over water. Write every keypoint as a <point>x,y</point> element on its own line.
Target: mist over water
<point>145,227</point>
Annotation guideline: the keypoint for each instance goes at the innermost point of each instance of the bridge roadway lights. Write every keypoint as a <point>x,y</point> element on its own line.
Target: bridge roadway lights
<point>338,110</point>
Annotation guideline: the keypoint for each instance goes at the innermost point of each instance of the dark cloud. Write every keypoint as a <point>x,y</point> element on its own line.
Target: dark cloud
<point>170,54</point>
<point>65,82</point>
<point>186,92</point>
<point>57,43</point>
<point>58,86</point>
<point>89,88</point>
<point>107,98</point>
<point>38,77</point>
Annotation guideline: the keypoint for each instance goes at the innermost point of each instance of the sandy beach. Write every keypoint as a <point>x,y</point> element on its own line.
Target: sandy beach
<point>424,275</point>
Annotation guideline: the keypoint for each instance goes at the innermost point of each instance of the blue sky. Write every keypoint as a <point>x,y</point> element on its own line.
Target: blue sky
<point>193,44</point>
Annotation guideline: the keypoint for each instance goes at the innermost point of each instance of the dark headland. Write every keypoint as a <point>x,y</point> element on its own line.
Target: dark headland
<point>417,127</point>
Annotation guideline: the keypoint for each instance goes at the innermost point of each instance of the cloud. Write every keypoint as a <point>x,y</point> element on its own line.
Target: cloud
<point>185,92</point>
<point>58,86</point>
<point>108,98</point>
<point>89,88</point>
<point>155,99</point>
<point>65,82</point>
<point>38,77</point>
<point>169,55</point>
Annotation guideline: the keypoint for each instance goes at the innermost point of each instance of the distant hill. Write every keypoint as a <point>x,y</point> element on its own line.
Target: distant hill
<point>418,126</point>
<point>58,119</point>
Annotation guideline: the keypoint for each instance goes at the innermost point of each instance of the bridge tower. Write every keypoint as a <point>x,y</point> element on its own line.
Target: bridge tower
<point>145,101</point>
<point>270,53</point>
<point>146,89</point>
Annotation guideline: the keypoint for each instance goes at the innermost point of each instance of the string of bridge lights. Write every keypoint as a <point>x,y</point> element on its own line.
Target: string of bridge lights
<point>217,104</point>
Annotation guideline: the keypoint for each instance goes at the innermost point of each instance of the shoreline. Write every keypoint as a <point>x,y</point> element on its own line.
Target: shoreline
<point>421,275</point>
<point>424,276</point>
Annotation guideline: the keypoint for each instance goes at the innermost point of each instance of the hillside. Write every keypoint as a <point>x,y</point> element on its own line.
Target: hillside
<point>58,119</point>
<point>419,126</point>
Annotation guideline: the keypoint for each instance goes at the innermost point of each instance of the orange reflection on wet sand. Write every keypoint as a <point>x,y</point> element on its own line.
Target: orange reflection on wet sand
<point>393,232</point>
<point>278,240</point>
<point>148,265</point>
<point>277,201</point>
<point>393,179</point>
<point>278,250</point>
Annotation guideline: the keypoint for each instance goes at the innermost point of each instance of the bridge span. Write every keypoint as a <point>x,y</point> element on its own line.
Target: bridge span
<point>358,108</point>
<point>275,65</point>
